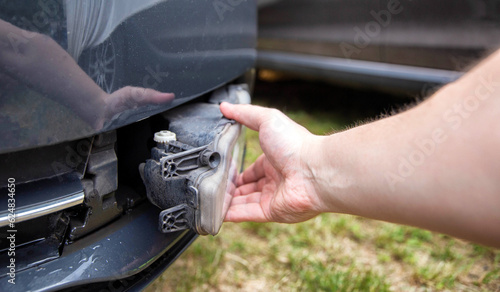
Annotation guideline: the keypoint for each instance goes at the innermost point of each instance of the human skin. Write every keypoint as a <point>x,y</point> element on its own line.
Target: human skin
<point>38,61</point>
<point>435,166</point>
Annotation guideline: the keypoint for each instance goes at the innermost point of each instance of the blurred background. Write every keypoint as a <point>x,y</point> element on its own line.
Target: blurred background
<point>330,65</point>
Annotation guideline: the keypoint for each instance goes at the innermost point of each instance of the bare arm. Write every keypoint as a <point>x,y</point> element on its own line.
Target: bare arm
<point>436,166</point>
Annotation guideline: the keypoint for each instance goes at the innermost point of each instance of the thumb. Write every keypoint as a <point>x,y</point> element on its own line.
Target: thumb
<point>251,116</point>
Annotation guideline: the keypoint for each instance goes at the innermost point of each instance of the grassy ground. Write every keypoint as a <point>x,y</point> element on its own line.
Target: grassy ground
<point>330,252</point>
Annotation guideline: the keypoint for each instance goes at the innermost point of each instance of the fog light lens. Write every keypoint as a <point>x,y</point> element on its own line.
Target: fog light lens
<point>216,191</point>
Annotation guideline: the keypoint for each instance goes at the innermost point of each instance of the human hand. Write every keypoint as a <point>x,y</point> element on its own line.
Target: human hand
<point>279,186</point>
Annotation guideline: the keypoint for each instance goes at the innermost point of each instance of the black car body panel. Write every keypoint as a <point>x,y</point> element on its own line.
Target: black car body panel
<point>185,47</point>
<point>83,217</point>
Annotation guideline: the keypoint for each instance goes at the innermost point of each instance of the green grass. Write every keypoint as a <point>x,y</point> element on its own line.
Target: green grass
<point>330,252</point>
<point>316,276</point>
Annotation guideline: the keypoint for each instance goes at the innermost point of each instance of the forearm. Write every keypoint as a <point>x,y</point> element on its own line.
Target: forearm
<point>436,166</point>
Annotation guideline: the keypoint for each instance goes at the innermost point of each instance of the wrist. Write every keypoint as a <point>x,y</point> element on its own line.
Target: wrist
<point>325,170</point>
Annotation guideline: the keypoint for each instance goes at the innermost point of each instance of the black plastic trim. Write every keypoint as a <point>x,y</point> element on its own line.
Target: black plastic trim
<point>120,250</point>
